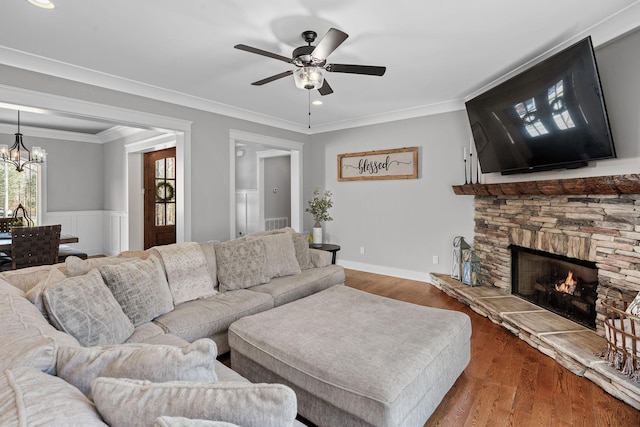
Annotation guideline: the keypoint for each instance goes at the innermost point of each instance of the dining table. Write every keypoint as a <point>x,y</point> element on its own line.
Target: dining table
<point>5,240</point>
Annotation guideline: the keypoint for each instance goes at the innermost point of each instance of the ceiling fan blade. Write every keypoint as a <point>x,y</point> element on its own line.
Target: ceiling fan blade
<point>370,70</point>
<point>325,89</point>
<point>262,52</point>
<point>272,78</point>
<point>329,43</point>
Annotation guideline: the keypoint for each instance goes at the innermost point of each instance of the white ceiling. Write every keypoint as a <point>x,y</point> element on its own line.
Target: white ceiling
<point>437,53</point>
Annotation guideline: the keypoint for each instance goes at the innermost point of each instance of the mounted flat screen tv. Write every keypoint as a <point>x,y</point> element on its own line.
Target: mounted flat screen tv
<point>551,116</point>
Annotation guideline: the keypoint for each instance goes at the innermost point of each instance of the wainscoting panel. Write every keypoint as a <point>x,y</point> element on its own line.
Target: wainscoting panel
<point>99,232</point>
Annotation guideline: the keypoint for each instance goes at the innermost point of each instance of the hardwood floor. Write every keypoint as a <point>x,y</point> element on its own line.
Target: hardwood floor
<point>507,382</point>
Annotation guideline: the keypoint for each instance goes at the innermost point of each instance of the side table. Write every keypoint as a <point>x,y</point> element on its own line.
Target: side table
<point>329,248</point>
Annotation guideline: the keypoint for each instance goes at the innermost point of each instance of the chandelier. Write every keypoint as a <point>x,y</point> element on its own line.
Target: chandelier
<point>19,155</point>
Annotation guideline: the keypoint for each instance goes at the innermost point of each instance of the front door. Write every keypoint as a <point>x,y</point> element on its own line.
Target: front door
<point>159,197</point>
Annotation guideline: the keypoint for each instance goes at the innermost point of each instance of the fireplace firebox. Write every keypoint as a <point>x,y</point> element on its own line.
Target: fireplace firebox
<point>565,286</point>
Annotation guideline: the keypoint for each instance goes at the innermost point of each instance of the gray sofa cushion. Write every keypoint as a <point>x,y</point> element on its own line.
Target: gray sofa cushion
<point>84,308</point>
<point>79,366</point>
<point>207,317</point>
<point>284,290</point>
<point>118,401</point>
<point>140,287</point>
<point>31,398</point>
<point>281,255</point>
<point>187,271</point>
<point>242,263</point>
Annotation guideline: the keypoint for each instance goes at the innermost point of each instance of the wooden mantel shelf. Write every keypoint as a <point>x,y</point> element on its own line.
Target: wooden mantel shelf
<point>616,184</point>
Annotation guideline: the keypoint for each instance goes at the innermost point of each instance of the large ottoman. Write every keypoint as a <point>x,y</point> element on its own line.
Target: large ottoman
<point>353,358</point>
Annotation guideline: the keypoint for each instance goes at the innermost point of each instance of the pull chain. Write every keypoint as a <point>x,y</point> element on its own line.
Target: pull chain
<point>309,122</point>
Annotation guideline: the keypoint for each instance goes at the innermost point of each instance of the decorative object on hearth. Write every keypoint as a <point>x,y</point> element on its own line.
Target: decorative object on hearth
<point>622,331</point>
<point>19,155</point>
<point>311,62</point>
<point>319,207</point>
<point>470,267</point>
<point>459,245</point>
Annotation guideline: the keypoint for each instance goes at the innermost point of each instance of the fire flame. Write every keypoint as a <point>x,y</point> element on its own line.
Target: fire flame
<point>568,286</point>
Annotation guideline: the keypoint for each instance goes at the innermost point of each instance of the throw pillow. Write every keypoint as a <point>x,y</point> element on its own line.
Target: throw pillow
<point>281,255</point>
<point>301,245</point>
<point>188,422</point>
<point>34,295</point>
<point>187,271</point>
<point>634,307</point>
<point>32,398</point>
<point>29,348</point>
<point>79,366</point>
<point>77,266</point>
<point>249,405</point>
<point>84,308</point>
<point>140,287</point>
<point>241,264</point>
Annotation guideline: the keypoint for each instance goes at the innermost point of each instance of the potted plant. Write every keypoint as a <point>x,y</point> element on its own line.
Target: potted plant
<point>319,208</point>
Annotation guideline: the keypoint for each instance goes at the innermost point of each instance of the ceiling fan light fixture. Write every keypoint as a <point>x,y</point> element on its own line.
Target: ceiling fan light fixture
<point>309,77</point>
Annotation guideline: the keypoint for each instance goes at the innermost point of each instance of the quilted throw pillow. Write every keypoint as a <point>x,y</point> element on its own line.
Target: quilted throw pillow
<point>634,307</point>
<point>85,308</point>
<point>119,402</point>
<point>79,366</point>
<point>140,287</point>
<point>281,255</point>
<point>241,264</point>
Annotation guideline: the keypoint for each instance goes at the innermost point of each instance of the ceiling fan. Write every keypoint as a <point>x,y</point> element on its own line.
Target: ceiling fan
<point>311,62</point>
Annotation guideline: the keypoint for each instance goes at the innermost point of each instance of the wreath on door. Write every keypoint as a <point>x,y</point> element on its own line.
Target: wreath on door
<point>164,192</point>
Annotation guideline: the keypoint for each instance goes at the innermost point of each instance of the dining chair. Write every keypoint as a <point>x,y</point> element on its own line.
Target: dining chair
<point>5,256</point>
<point>31,246</point>
<point>5,224</point>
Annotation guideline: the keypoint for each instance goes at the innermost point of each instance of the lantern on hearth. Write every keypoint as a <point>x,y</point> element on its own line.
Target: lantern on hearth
<point>470,268</point>
<point>459,245</point>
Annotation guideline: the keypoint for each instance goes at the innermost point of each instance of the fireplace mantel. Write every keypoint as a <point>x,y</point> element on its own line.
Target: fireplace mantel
<point>615,184</point>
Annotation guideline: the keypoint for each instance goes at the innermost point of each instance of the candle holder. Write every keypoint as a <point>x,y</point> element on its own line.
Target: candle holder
<point>470,168</point>
<point>465,171</point>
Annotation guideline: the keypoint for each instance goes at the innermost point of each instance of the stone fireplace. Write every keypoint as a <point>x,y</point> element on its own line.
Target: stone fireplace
<point>596,220</point>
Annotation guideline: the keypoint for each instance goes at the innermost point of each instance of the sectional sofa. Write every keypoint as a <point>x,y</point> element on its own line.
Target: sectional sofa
<point>133,339</point>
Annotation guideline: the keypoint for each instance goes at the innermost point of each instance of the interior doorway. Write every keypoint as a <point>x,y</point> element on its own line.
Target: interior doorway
<point>160,186</point>
<point>270,147</point>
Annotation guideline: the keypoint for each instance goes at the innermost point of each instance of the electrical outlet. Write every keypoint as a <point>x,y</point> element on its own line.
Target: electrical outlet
<point>435,259</point>
<point>361,250</point>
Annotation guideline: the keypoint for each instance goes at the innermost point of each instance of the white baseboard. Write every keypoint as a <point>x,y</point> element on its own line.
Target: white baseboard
<point>386,271</point>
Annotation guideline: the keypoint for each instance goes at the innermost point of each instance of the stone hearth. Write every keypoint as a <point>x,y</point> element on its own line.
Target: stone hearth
<point>570,344</point>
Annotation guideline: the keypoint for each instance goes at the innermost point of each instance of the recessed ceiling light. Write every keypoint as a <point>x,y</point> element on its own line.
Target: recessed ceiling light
<point>45,4</point>
<point>317,102</point>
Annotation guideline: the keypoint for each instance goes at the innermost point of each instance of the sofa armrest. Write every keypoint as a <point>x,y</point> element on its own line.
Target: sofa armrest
<point>320,258</point>
<point>249,405</point>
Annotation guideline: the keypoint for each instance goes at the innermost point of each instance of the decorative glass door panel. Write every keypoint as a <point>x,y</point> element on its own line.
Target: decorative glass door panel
<point>160,197</point>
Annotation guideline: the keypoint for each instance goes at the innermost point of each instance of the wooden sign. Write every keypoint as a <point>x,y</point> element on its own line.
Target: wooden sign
<point>399,163</point>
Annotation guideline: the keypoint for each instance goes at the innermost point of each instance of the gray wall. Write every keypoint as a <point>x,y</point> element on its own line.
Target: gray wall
<point>74,172</point>
<point>277,175</point>
<point>401,224</point>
